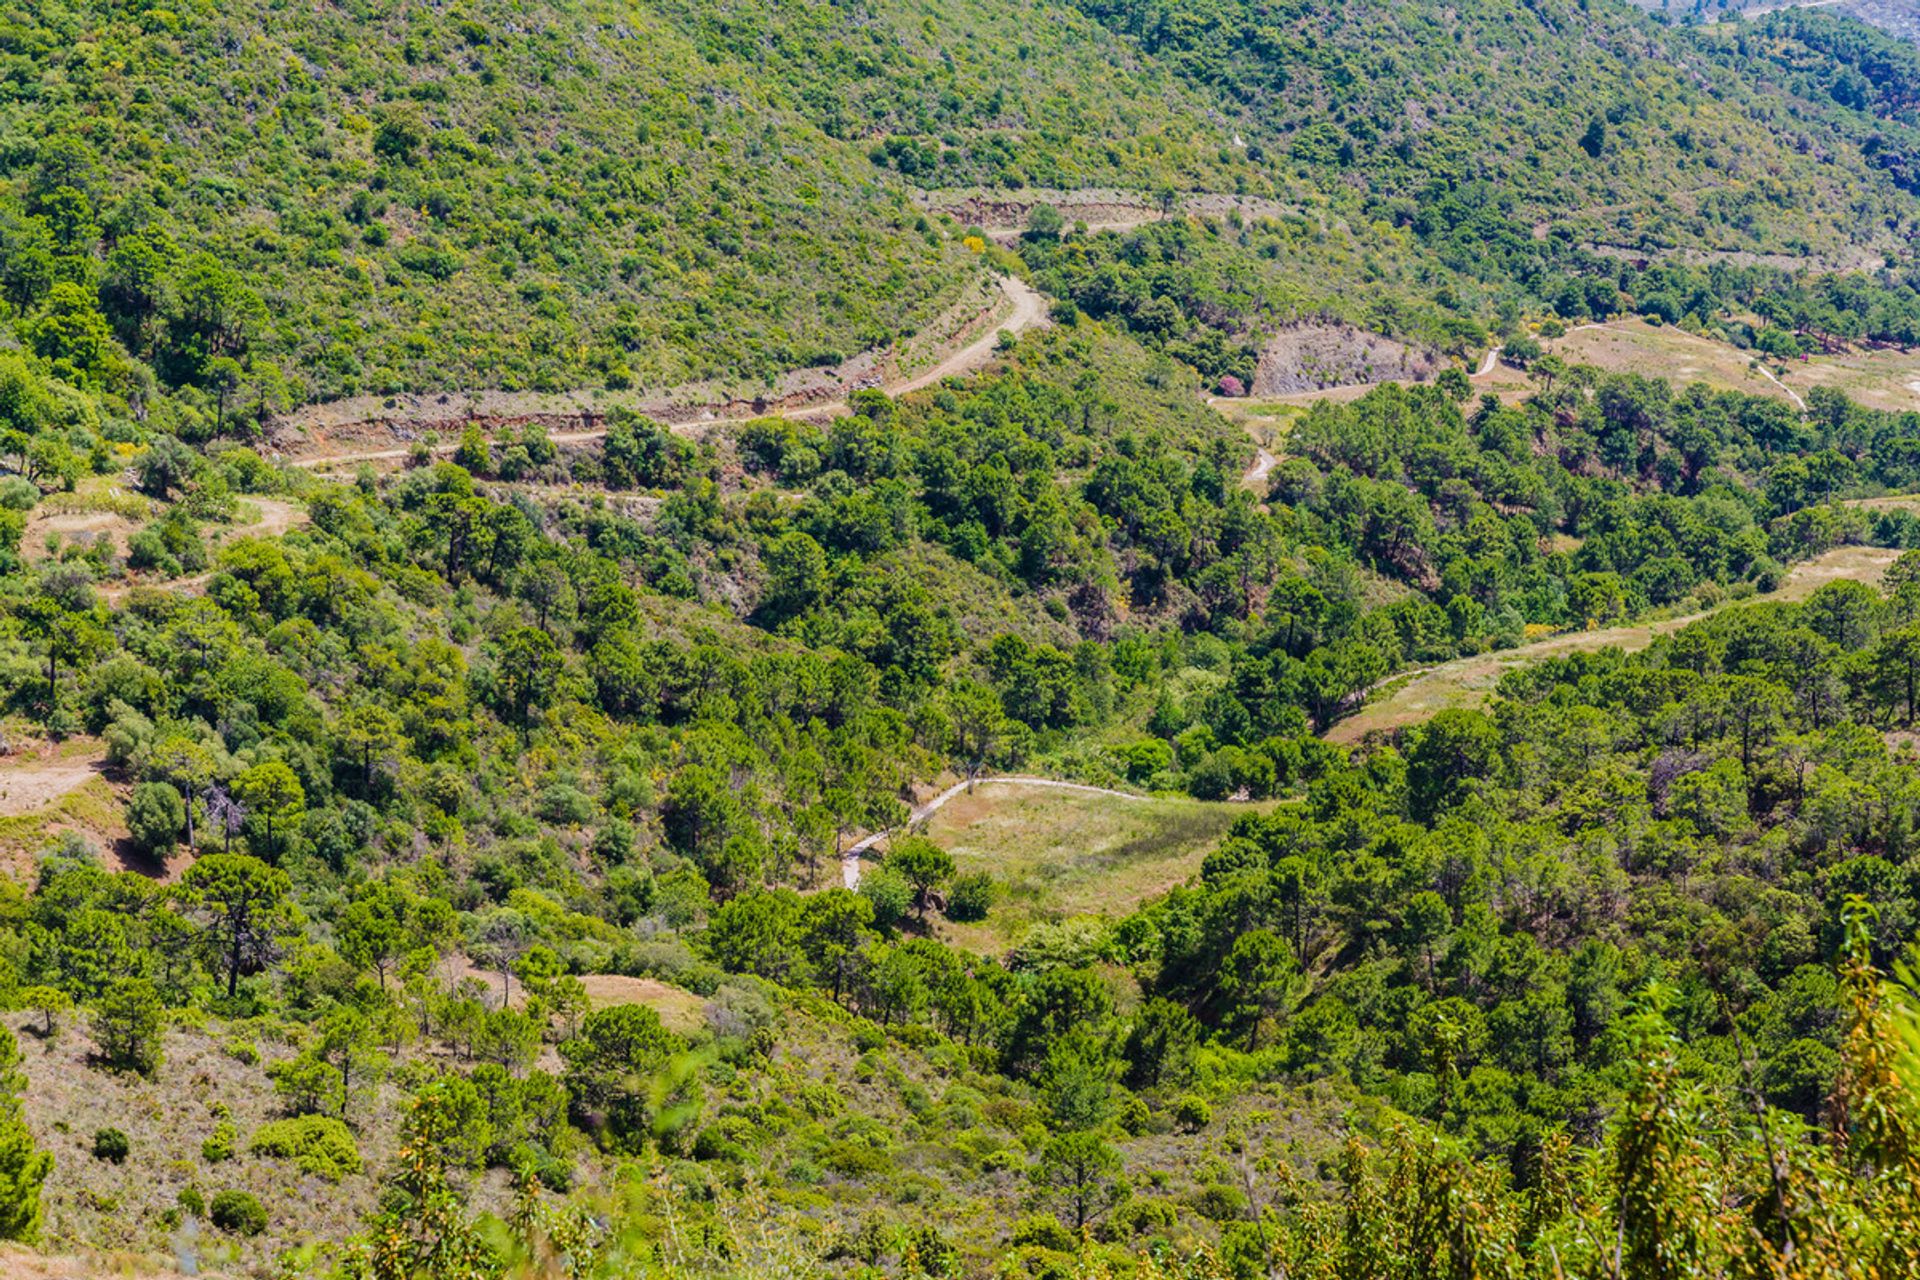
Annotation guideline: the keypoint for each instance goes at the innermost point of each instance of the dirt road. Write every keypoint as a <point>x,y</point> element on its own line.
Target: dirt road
<point>1263,463</point>
<point>1412,697</point>
<point>1028,310</point>
<point>275,518</point>
<point>850,858</point>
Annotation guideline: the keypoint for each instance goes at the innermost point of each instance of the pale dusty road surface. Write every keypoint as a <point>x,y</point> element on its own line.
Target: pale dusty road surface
<point>1029,310</point>
<point>1262,464</point>
<point>1468,682</point>
<point>850,858</point>
<point>33,785</point>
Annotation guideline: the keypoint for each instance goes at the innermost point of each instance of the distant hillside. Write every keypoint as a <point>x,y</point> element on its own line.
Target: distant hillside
<point>542,195</point>
<point>337,200</point>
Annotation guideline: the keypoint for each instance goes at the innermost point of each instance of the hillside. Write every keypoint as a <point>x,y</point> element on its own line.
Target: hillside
<point>585,195</point>
<point>897,639</point>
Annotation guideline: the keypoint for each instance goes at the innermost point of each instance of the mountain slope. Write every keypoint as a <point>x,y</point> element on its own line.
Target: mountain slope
<point>543,197</point>
<point>587,194</point>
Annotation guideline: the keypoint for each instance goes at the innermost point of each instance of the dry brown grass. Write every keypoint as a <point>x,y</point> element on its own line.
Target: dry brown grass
<point>117,1212</point>
<point>17,1262</point>
<point>1059,854</point>
<point>1662,351</point>
<point>682,1011</point>
<point>1469,682</point>
<point>1887,379</point>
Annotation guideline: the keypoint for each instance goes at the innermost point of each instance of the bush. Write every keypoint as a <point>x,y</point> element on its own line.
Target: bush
<point>110,1144</point>
<point>1193,1114</point>
<point>1143,1217</point>
<point>220,1146</point>
<point>17,493</point>
<point>155,816</point>
<point>1044,1231</point>
<point>1220,1202</point>
<point>238,1212</point>
<point>192,1201</point>
<point>320,1145</point>
<point>971,897</point>
<point>890,895</point>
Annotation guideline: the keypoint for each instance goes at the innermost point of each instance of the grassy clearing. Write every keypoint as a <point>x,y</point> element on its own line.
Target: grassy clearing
<point>1059,854</point>
<point>681,1010</point>
<point>1886,379</point>
<point>1662,351</point>
<point>1468,682</point>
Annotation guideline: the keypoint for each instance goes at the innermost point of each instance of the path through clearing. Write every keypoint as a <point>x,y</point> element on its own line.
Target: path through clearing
<point>32,786</point>
<point>1263,463</point>
<point>1768,374</point>
<point>850,859</point>
<point>1029,311</point>
<point>276,517</point>
<point>1418,695</point>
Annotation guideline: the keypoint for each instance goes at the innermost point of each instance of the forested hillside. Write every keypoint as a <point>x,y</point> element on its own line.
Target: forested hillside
<point>516,520</point>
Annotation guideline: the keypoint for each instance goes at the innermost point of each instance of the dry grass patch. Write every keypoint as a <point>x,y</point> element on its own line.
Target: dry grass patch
<point>1058,854</point>
<point>680,1010</point>
<point>1663,351</point>
<point>126,1211</point>
<point>1468,682</point>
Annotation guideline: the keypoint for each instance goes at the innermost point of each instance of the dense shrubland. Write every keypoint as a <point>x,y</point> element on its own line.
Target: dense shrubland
<point>481,823</point>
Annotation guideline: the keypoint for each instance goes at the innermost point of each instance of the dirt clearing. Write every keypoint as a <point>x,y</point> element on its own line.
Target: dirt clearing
<point>1313,357</point>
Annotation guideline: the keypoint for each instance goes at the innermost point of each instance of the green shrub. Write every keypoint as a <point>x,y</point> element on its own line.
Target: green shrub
<point>971,897</point>
<point>220,1146</point>
<point>1134,1115</point>
<point>111,1145</point>
<point>155,816</point>
<point>1044,1231</point>
<point>1193,1114</point>
<point>1220,1202</point>
<point>320,1145</point>
<point>238,1212</point>
<point>1140,1217</point>
<point>192,1201</point>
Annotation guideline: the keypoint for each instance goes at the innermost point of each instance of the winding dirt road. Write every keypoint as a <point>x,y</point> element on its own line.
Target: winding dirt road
<point>1029,310</point>
<point>850,857</point>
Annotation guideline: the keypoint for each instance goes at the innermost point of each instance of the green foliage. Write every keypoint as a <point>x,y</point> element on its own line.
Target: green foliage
<point>319,1145</point>
<point>127,1024</point>
<point>23,1167</point>
<point>110,1145</point>
<point>155,816</point>
<point>617,709</point>
<point>219,1145</point>
<point>237,1212</point>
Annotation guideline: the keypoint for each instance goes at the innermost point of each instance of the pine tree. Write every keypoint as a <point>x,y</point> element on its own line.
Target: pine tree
<point>23,1168</point>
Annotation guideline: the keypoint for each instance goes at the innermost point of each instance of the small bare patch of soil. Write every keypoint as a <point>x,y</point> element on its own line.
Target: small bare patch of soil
<point>33,784</point>
<point>1310,357</point>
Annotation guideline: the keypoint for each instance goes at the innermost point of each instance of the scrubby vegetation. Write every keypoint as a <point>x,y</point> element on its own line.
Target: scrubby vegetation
<point>493,864</point>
